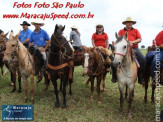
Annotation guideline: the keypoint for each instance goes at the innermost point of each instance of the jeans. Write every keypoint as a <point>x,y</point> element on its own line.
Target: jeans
<point>141,59</point>
<point>157,58</point>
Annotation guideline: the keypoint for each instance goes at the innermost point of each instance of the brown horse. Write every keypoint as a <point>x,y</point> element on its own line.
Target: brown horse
<point>107,62</point>
<point>147,77</point>
<point>26,63</point>
<point>94,66</point>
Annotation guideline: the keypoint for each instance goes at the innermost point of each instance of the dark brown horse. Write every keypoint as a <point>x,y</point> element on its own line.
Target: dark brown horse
<point>148,74</point>
<point>58,67</point>
<point>95,68</point>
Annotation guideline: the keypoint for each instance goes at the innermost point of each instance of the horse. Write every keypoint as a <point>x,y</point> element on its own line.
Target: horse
<point>126,68</point>
<point>26,62</point>
<point>60,52</point>
<point>95,68</point>
<point>148,74</point>
<point>107,63</point>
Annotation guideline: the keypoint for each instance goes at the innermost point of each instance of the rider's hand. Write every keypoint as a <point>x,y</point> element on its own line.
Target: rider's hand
<point>42,49</point>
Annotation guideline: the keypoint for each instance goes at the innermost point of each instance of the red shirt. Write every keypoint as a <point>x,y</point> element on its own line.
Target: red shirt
<point>159,39</point>
<point>133,35</point>
<point>100,40</point>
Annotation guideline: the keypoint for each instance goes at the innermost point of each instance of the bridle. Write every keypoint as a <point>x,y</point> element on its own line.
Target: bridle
<point>100,64</point>
<point>129,48</point>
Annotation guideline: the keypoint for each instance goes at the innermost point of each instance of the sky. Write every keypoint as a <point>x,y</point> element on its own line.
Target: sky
<point>110,13</point>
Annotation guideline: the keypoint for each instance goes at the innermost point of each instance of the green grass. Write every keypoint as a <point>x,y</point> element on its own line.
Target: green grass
<point>79,108</point>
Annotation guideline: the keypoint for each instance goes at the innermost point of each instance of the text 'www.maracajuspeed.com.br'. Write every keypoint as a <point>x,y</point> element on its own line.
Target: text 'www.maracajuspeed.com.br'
<point>49,16</point>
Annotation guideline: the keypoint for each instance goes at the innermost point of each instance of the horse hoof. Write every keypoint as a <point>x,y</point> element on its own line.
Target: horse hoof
<point>32,102</point>
<point>70,93</point>
<point>129,115</point>
<point>56,104</point>
<point>13,90</point>
<point>25,101</point>
<point>86,84</point>
<point>64,107</point>
<point>91,100</point>
<point>19,91</point>
<point>104,90</point>
<point>99,102</point>
<point>11,84</point>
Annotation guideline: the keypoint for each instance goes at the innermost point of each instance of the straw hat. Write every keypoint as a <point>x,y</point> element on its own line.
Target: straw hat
<point>129,19</point>
<point>74,27</point>
<point>38,22</point>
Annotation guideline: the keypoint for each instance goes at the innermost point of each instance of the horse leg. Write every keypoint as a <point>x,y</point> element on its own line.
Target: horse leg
<point>126,93</point>
<point>13,77</point>
<point>64,91</point>
<point>32,89</point>
<point>153,92</point>
<point>104,83</point>
<point>70,90</point>
<point>54,81</point>
<point>61,82</point>
<point>87,83</point>
<point>19,80</point>
<point>92,88</point>
<point>131,89</point>
<point>146,88</point>
<point>99,78</point>
<point>47,81</point>
<point>25,88</point>
<point>121,88</point>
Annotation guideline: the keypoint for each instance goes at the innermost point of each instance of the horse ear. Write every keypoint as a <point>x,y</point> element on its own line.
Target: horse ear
<point>56,28</point>
<point>6,34</point>
<point>126,36</point>
<point>63,28</point>
<point>17,35</point>
<point>116,35</point>
<point>11,34</point>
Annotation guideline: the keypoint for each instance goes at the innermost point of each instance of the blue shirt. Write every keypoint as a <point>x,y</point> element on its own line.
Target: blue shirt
<point>25,35</point>
<point>40,38</point>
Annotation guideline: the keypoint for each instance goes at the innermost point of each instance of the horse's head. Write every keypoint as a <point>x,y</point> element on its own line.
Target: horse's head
<point>59,42</point>
<point>88,59</point>
<point>120,49</point>
<point>11,48</point>
<point>3,40</point>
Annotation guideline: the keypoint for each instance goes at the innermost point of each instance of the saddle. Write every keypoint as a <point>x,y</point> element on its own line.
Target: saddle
<point>78,52</point>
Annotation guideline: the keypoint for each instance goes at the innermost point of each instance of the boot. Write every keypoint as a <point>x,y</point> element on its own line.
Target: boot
<point>114,76</point>
<point>140,77</point>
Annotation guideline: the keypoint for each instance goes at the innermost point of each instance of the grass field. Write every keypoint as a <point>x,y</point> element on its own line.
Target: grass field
<point>79,108</point>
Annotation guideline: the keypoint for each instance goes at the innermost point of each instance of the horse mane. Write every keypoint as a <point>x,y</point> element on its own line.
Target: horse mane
<point>131,51</point>
<point>37,53</point>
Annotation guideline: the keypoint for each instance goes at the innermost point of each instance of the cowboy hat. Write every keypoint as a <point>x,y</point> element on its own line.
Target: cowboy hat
<point>74,27</point>
<point>129,19</point>
<point>25,23</point>
<point>37,22</point>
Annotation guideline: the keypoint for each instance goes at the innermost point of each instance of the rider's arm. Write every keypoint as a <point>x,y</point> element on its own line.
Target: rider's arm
<point>161,46</point>
<point>107,44</point>
<point>26,41</point>
<point>136,41</point>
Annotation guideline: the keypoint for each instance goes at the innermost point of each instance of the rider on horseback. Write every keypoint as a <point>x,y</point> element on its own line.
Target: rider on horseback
<point>135,38</point>
<point>75,36</point>
<point>25,34</point>
<point>159,54</point>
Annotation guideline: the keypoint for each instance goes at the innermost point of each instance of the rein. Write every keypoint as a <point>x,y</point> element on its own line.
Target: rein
<point>60,53</point>
<point>129,48</point>
<point>99,64</point>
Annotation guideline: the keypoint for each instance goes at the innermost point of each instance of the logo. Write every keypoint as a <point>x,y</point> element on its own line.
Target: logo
<point>17,112</point>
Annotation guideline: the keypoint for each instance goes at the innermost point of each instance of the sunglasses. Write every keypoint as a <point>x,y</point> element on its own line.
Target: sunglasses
<point>99,27</point>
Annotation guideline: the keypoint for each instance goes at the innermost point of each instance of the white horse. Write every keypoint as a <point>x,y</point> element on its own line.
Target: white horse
<point>126,68</point>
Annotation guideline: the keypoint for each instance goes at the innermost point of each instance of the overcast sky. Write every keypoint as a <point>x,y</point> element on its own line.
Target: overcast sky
<point>110,13</point>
